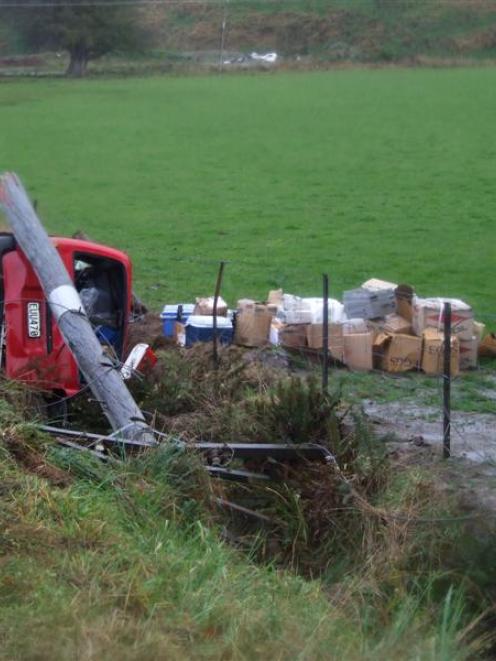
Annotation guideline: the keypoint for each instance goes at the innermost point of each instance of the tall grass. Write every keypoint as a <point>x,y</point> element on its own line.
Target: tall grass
<point>127,561</point>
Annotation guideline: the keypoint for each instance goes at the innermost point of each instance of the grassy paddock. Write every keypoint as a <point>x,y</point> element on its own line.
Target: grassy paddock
<point>384,173</point>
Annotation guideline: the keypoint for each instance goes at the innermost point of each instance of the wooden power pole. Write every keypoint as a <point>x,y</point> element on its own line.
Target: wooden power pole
<point>100,374</point>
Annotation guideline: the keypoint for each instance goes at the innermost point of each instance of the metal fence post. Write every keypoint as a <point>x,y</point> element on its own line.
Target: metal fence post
<point>447,382</point>
<point>216,300</point>
<point>325,332</point>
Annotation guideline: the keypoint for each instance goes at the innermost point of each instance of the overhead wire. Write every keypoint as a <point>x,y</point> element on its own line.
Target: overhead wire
<point>177,3</point>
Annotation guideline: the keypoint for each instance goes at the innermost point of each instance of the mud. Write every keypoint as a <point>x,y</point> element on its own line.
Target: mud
<point>408,425</point>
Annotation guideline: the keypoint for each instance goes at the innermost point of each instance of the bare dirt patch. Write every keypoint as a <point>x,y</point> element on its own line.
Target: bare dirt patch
<point>473,435</point>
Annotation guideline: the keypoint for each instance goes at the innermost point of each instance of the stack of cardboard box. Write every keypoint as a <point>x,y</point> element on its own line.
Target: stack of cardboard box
<point>395,330</point>
<point>409,337</point>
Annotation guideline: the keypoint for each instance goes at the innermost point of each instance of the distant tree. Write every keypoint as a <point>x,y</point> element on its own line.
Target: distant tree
<point>85,32</point>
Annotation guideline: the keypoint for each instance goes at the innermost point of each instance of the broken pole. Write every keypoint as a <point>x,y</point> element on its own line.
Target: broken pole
<point>100,374</point>
<point>447,383</point>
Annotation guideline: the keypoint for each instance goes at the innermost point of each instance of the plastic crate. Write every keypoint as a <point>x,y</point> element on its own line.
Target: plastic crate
<point>201,329</point>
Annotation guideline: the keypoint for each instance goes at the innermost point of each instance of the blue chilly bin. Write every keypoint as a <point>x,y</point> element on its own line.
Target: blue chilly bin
<point>201,329</point>
<point>172,313</point>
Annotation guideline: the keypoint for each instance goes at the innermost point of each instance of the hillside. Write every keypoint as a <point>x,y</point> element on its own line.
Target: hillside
<point>359,30</point>
<point>324,31</point>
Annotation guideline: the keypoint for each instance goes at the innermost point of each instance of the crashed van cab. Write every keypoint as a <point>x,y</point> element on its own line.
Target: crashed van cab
<point>32,348</point>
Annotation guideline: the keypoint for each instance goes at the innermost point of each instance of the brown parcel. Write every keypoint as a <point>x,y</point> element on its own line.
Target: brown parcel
<point>358,351</point>
<point>404,297</point>
<point>293,336</point>
<point>335,343</point>
<point>433,352</point>
<point>180,333</point>
<point>353,326</point>
<point>429,313</point>
<point>479,330</point>
<point>205,306</point>
<point>397,353</point>
<point>391,324</point>
<point>468,353</point>
<point>275,297</point>
<point>245,303</point>
<point>487,347</point>
<point>253,326</point>
<point>394,323</point>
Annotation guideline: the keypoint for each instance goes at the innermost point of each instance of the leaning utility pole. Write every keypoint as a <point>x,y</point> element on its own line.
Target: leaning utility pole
<point>100,374</point>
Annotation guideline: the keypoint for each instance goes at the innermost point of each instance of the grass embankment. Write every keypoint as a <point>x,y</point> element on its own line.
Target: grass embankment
<point>359,173</point>
<point>127,559</point>
<point>306,33</point>
<point>337,30</point>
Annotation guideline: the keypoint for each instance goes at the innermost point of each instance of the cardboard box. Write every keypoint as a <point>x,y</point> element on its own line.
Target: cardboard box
<point>358,351</point>
<point>375,284</point>
<point>293,336</point>
<point>180,334</point>
<point>433,352</point>
<point>429,313</point>
<point>245,303</point>
<point>404,295</point>
<point>275,328</point>
<point>367,304</point>
<point>275,297</point>
<point>468,353</point>
<point>335,342</point>
<point>353,326</point>
<point>273,309</point>
<point>487,347</point>
<point>479,330</point>
<point>297,310</point>
<point>398,352</point>
<point>205,307</point>
<point>394,323</point>
<point>253,325</point>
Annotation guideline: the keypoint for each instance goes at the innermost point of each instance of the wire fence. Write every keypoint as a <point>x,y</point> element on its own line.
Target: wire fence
<point>304,358</point>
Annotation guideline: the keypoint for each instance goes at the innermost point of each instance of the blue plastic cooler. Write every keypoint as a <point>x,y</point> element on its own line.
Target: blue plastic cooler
<point>172,313</point>
<point>201,329</point>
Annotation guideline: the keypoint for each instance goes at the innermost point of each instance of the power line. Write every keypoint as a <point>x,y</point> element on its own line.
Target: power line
<point>36,4</point>
<point>136,3</point>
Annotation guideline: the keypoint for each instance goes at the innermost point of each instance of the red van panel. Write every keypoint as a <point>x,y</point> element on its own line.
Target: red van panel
<point>35,350</point>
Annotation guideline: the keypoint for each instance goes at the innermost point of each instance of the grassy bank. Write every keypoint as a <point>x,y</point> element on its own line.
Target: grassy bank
<point>120,565</point>
<point>130,558</point>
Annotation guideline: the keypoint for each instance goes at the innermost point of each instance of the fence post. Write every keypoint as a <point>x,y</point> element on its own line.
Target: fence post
<point>447,382</point>
<point>216,299</point>
<point>223,36</point>
<point>325,331</point>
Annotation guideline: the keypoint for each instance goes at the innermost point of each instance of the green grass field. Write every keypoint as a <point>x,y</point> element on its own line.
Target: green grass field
<point>360,173</point>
